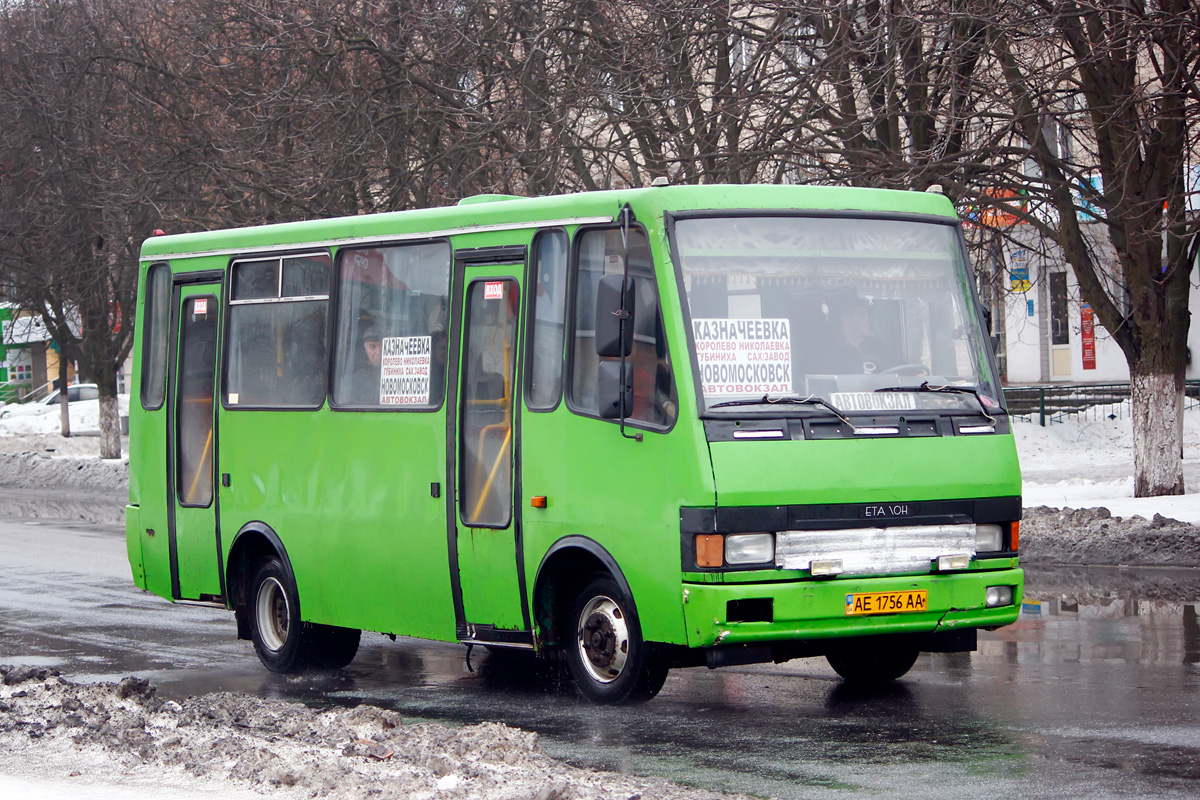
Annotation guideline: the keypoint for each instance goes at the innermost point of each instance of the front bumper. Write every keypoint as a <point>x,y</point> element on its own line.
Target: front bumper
<point>806,610</point>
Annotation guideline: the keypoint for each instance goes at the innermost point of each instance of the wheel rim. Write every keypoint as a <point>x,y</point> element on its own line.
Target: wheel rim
<point>273,614</point>
<point>603,638</point>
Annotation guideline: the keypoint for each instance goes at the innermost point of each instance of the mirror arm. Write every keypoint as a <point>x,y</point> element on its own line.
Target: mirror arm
<point>624,315</point>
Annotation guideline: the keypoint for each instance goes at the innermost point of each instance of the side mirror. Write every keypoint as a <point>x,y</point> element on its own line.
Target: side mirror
<point>613,400</point>
<point>614,335</point>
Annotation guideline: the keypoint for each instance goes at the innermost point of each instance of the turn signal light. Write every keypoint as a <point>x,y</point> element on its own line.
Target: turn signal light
<point>1016,536</point>
<point>538,502</point>
<point>710,550</point>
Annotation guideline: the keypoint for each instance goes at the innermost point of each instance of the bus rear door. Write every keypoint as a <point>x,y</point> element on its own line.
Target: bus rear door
<point>192,520</point>
<point>486,534</point>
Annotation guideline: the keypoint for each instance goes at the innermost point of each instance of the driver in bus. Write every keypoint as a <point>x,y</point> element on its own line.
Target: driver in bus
<point>854,349</point>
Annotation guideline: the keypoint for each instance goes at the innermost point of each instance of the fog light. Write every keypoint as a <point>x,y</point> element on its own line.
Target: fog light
<point>953,562</point>
<point>831,567</point>
<point>988,538</point>
<point>749,548</point>
<point>997,596</point>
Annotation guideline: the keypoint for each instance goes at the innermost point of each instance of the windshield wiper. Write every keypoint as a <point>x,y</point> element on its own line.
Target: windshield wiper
<point>767,400</point>
<point>926,387</point>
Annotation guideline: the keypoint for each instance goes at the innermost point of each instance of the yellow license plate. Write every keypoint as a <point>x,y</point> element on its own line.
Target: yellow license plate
<point>886,602</point>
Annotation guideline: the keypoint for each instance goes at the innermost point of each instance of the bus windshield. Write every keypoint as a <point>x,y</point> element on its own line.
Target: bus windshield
<point>864,314</point>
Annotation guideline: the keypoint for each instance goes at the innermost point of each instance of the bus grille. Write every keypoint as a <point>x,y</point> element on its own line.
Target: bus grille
<point>874,551</point>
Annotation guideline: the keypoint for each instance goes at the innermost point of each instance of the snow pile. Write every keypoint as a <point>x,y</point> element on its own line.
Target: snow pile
<point>25,419</point>
<point>1093,536</point>
<point>122,733</point>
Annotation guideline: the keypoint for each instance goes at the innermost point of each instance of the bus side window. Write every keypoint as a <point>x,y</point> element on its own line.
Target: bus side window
<point>393,305</point>
<point>277,333</point>
<point>548,310</point>
<point>599,253</point>
<point>156,329</point>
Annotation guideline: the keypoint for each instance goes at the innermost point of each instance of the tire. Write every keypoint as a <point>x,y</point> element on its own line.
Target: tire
<point>605,652</point>
<point>332,647</point>
<point>283,642</point>
<point>872,663</point>
<point>277,632</point>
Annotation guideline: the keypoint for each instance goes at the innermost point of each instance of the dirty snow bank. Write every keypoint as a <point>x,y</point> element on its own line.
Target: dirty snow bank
<point>1093,536</point>
<point>36,482</point>
<point>123,734</point>
<point>46,475</point>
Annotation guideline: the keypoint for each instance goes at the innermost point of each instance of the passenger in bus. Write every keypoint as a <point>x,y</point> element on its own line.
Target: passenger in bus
<point>365,383</point>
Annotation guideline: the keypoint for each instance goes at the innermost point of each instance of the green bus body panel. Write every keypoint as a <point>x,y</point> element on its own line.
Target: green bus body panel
<point>765,473</point>
<point>627,502</point>
<point>148,506</point>
<point>488,573</point>
<point>817,609</point>
<point>133,546</point>
<point>349,496</point>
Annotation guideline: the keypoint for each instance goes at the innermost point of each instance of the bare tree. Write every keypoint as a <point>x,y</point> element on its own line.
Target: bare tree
<point>1104,100</point>
<point>68,249</point>
<point>95,154</point>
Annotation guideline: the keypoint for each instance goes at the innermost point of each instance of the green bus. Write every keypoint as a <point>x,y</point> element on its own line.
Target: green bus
<point>629,430</point>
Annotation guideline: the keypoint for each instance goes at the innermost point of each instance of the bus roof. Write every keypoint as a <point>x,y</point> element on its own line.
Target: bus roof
<point>498,211</point>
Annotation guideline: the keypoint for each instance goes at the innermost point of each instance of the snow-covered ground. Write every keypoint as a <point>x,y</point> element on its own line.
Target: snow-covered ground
<point>24,423</point>
<point>1088,463</point>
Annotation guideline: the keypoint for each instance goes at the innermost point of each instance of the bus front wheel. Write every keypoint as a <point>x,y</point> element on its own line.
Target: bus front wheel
<point>865,663</point>
<point>606,655</point>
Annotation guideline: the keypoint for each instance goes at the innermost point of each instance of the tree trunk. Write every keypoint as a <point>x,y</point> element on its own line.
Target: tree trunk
<point>110,422</point>
<point>1157,433</point>
<point>110,428</point>
<point>63,409</point>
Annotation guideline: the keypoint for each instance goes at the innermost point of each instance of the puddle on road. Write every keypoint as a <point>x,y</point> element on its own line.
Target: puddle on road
<point>1131,614</point>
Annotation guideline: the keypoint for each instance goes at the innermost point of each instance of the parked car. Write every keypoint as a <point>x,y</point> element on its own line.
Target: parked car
<point>76,392</point>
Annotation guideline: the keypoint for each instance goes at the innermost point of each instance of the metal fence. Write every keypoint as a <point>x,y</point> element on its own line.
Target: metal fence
<point>1056,402</point>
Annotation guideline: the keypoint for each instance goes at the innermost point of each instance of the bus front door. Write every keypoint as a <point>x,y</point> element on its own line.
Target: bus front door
<point>486,558</point>
<point>192,519</point>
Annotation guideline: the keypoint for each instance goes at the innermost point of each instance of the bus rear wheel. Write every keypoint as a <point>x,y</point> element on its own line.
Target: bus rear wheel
<point>283,642</point>
<point>333,647</point>
<point>868,663</point>
<point>275,613</point>
<point>605,653</point>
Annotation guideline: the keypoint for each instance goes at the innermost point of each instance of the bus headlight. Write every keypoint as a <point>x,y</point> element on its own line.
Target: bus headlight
<point>749,548</point>
<point>988,538</point>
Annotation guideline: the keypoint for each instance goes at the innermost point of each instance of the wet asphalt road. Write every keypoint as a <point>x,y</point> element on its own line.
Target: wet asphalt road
<point>1094,693</point>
